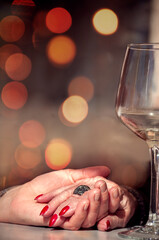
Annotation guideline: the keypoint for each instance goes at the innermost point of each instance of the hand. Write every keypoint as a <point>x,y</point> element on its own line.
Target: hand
<point>124,213</point>
<point>18,204</point>
<point>71,211</point>
<point>84,211</point>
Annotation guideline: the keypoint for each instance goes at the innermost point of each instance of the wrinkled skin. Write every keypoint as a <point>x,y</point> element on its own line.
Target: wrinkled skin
<point>105,201</point>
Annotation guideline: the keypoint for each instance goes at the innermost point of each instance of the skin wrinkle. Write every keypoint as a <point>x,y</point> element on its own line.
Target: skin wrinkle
<point>25,204</point>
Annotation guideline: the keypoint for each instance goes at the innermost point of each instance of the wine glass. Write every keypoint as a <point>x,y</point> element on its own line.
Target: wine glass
<point>137,105</point>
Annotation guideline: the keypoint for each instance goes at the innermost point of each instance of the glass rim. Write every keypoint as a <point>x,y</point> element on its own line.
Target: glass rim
<point>143,46</point>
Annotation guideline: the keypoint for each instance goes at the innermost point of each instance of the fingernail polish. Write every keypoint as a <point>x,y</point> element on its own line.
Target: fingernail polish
<point>44,210</point>
<point>53,220</point>
<point>108,224</point>
<point>38,196</point>
<point>64,210</point>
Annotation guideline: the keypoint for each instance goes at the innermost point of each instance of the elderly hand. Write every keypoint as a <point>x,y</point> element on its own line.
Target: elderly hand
<point>106,203</point>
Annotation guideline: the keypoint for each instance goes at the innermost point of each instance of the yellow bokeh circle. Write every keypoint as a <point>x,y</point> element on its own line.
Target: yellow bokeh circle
<point>105,21</point>
<point>75,109</point>
<point>58,154</point>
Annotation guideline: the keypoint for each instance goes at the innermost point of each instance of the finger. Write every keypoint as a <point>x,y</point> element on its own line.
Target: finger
<point>45,198</point>
<point>64,211</point>
<point>104,201</point>
<point>89,172</point>
<point>50,208</point>
<point>75,222</point>
<point>112,221</point>
<point>64,214</point>
<point>70,207</point>
<point>94,199</point>
<point>57,200</point>
<point>114,199</point>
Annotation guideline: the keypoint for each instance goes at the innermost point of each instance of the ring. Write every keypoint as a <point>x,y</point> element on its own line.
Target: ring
<point>81,189</point>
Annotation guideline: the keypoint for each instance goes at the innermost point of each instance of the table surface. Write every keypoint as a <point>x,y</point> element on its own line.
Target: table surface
<point>21,232</point>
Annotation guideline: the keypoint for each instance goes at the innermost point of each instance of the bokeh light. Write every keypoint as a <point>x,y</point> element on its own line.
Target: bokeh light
<point>27,158</point>
<point>31,133</point>
<point>12,28</point>
<point>58,20</point>
<point>61,50</point>
<point>23,3</point>
<point>14,95</point>
<point>58,154</point>
<point>7,50</point>
<point>64,120</point>
<point>105,21</point>
<point>75,109</point>
<point>18,66</point>
<point>39,24</point>
<point>81,86</point>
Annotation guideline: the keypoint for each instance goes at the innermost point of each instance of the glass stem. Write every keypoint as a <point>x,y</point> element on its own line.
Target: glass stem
<point>154,194</point>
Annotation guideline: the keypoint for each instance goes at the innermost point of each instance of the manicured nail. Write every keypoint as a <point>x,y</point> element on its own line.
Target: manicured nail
<point>53,220</point>
<point>97,197</point>
<point>103,187</point>
<point>115,193</point>
<point>86,206</point>
<point>38,196</point>
<point>108,224</point>
<point>64,210</point>
<point>44,210</point>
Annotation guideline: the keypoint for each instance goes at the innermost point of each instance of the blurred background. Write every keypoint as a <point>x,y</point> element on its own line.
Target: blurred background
<point>60,64</point>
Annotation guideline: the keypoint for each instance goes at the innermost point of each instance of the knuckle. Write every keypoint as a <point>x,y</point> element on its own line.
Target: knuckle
<point>74,228</point>
<point>88,224</point>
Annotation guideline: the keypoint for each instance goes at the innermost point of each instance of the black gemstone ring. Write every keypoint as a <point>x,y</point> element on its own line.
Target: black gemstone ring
<point>81,189</point>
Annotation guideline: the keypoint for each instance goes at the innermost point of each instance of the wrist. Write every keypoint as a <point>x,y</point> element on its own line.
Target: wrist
<point>6,197</point>
<point>140,213</point>
<point>4,191</point>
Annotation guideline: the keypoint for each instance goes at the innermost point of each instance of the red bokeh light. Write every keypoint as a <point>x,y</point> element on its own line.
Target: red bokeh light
<point>58,20</point>
<point>18,66</point>
<point>12,28</point>
<point>23,2</point>
<point>31,133</point>
<point>7,50</point>
<point>14,95</point>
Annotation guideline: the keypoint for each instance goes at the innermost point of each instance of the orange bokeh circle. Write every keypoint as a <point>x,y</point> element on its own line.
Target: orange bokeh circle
<point>61,50</point>
<point>81,86</point>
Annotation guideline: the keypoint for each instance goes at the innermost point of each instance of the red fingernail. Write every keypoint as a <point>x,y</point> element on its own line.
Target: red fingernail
<point>108,224</point>
<point>64,210</point>
<point>44,210</point>
<point>53,220</point>
<point>38,196</point>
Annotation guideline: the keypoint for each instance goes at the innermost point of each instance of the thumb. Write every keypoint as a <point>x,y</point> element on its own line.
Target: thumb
<point>88,172</point>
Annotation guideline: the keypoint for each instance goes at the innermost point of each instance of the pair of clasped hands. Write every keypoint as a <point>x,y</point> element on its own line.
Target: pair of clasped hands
<point>49,200</point>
